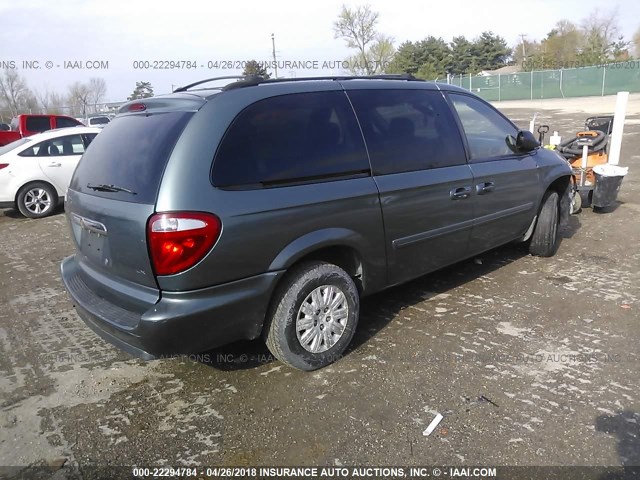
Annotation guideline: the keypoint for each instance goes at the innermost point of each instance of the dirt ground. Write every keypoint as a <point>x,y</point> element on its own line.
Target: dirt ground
<point>532,361</point>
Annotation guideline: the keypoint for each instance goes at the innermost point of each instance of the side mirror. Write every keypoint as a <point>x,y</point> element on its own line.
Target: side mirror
<point>524,142</point>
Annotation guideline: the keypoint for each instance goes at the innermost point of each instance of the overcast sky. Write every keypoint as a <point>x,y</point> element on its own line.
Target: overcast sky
<point>123,31</point>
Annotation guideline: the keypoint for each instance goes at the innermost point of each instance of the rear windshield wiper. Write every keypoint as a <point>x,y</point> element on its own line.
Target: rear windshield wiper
<point>109,188</point>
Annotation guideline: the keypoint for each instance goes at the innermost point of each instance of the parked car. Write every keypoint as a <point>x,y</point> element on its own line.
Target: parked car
<point>98,121</point>
<point>35,171</point>
<point>26,125</point>
<point>270,207</point>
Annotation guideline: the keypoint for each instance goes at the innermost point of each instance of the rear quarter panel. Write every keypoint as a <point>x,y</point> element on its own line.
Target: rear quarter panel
<point>266,229</point>
<point>21,171</point>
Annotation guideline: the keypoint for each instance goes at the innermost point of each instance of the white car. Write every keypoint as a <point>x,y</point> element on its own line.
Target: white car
<point>35,171</point>
<point>98,122</point>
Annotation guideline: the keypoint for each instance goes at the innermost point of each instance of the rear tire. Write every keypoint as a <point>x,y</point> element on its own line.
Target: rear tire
<point>544,240</point>
<point>37,200</point>
<point>313,316</point>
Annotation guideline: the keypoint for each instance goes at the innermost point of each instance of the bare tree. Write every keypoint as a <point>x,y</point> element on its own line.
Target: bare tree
<point>79,97</point>
<point>30,103</point>
<point>357,27</point>
<point>57,104</point>
<point>13,91</point>
<point>636,43</point>
<point>599,32</point>
<point>97,91</point>
<point>44,98</point>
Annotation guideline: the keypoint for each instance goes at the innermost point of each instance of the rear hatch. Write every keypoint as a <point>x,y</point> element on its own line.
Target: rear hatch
<point>113,193</point>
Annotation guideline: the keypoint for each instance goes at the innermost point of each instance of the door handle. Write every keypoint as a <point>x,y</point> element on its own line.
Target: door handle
<point>460,193</point>
<point>485,187</point>
<point>55,164</point>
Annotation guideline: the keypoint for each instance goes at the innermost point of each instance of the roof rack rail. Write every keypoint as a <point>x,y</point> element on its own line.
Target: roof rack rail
<point>231,77</point>
<point>248,81</point>
<point>256,80</point>
<point>383,76</point>
<point>252,80</point>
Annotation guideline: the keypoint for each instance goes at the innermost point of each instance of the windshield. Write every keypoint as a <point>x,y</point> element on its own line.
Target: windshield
<point>13,145</point>
<point>98,121</point>
<point>130,154</point>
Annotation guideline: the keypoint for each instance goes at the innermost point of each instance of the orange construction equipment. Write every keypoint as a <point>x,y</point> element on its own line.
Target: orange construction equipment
<point>595,139</point>
<point>586,174</point>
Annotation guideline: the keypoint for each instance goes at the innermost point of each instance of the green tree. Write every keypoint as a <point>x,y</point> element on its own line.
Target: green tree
<point>252,67</point>
<point>490,51</point>
<point>559,49</point>
<point>381,54</point>
<point>406,59</point>
<point>142,90</point>
<point>357,27</point>
<point>595,41</point>
<point>620,49</point>
<point>525,54</point>
<point>462,59</point>
<point>429,59</point>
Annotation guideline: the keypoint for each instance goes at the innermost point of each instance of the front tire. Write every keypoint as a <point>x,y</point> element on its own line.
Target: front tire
<point>37,200</point>
<point>313,316</point>
<point>576,203</point>
<point>544,240</point>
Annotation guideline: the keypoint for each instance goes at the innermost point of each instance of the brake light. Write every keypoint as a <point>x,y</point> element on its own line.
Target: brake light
<point>3,165</point>
<point>137,107</point>
<point>179,240</point>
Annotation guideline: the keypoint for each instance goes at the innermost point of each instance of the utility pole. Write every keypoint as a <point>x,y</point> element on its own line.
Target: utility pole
<point>524,54</point>
<point>275,62</point>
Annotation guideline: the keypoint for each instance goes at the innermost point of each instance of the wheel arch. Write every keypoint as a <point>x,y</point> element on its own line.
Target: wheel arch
<point>32,182</point>
<point>338,246</point>
<point>562,185</point>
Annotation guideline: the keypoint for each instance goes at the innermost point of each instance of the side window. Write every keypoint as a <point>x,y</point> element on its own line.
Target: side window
<point>88,138</point>
<point>291,138</point>
<point>408,130</point>
<point>486,130</point>
<point>38,150</point>
<point>66,122</point>
<point>38,124</point>
<point>70,145</point>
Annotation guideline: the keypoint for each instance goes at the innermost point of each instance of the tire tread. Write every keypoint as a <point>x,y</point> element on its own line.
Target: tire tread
<point>544,240</point>
<point>284,302</point>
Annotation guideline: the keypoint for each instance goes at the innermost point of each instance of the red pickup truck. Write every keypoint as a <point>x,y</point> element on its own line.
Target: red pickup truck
<point>26,125</point>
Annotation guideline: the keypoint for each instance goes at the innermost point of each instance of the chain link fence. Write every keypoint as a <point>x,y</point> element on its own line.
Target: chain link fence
<point>597,80</point>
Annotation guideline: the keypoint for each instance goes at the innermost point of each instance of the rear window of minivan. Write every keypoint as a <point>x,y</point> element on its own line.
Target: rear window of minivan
<point>131,152</point>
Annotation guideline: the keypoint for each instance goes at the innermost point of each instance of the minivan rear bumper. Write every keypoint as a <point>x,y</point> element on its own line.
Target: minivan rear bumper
<point>180,322</point>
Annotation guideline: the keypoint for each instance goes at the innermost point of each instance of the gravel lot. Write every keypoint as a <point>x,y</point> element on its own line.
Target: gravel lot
<point>552,343</point>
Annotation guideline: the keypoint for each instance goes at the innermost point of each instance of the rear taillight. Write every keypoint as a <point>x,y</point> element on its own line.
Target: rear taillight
<point>3,165</point>
<point>179,240</point>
